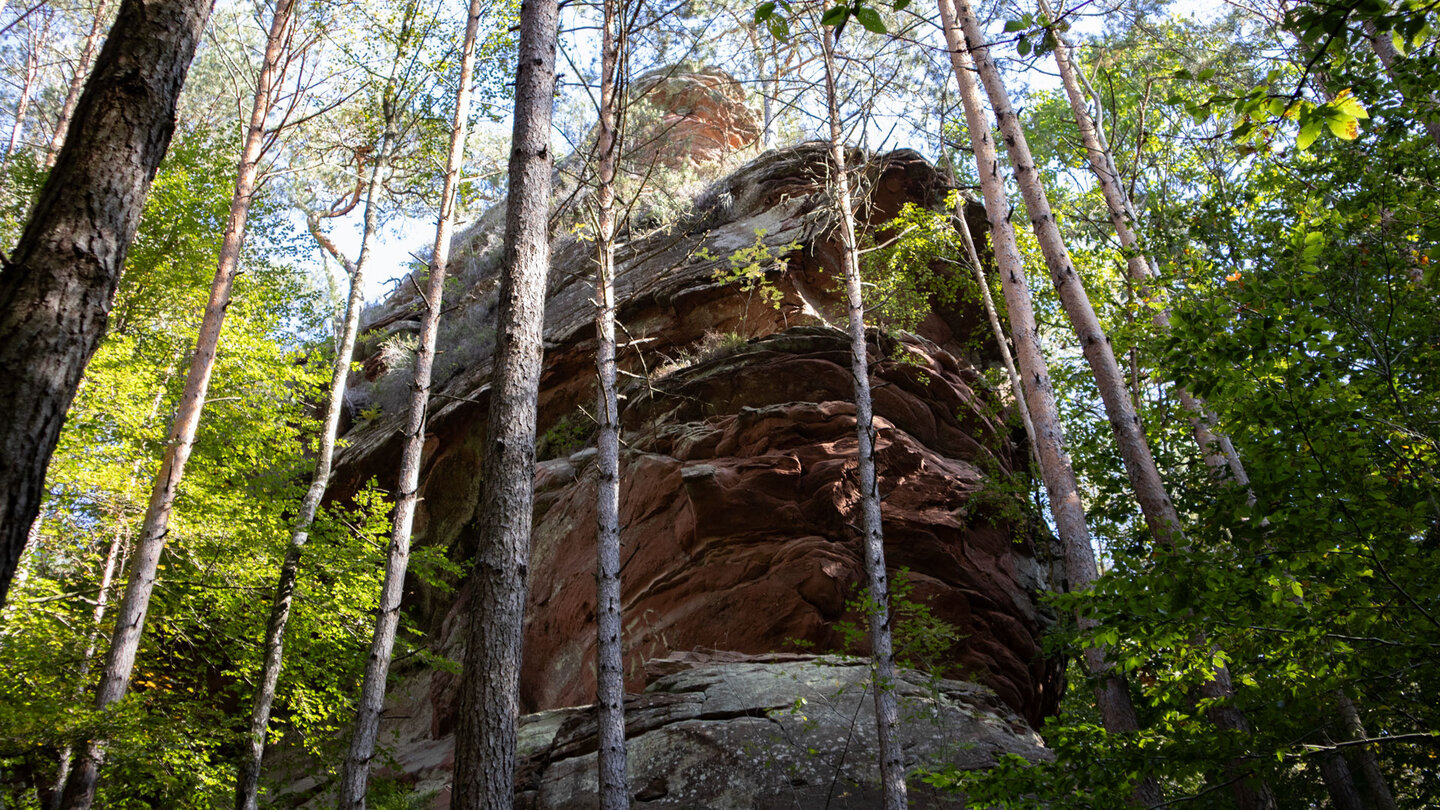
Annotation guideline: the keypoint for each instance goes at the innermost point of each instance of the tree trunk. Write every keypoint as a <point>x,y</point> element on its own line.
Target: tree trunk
<point>1111,693</point>
<point>56,288</point>
<point>356,772</point>
<point>34,42</point>
<point>130,624</point>
<point>882,656</point>
<point>609,649</point>
<point>77,81</point>
<point>1218,452</point>
<point>1379,788</point>
<point>102,601</point>
<point>1130,439</point>
<point>247,790</point>
<point>1013,373</point>
<point>1385,51</point>
<point>490,700</point>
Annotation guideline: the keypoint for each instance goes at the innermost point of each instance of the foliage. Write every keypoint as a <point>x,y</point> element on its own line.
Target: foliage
<point>916,268</point>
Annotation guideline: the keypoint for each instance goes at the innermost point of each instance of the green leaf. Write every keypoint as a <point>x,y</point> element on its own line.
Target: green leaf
<point>1023,46</point>
<point>764,12</point>
<point>836,15</point>
<point>1344,127</point>
<point>1012,26</point>
<point>1308,133</point>
<point>901,4</point>
<point>779,28</point>
<point>870,18</point>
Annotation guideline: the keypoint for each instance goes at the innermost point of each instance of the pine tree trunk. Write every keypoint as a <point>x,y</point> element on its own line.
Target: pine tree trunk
<point>56,288</point>
<point>356,772</point>
<point>247,790</point>
<point>130,623</point>
<point>490,684</point>
<point>77,81</point>
<point>609,649</point>
<point>1111,693</point>
<point>882,656</point>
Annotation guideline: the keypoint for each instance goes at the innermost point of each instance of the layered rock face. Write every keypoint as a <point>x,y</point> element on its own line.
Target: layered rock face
<point>739,500</point>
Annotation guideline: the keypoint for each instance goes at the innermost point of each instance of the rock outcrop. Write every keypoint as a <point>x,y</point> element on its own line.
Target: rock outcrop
<point>739,493</point>
<point>729,732</point>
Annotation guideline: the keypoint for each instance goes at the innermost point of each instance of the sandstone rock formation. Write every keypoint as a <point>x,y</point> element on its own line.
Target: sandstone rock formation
<point>739,491</point>
<point>736,732</point>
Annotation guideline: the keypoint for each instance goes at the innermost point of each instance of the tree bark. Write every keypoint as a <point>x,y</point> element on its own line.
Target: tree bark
<point>609,649</point>
<point>1145,481</point>
<point>130,623</point>
<point>356,772</point>
<point>882,656</point>
<point>77,81</point>
<point>1111,692</point>
<point>490,700</point>
<point>1006,358</point>
<point>1218,452</point>
<point>1385,51</point>
<point>56,289</point>
<point>1130,438</point>
<point>247,790</point>
<point>1379,787</point>
<point>34,43</point>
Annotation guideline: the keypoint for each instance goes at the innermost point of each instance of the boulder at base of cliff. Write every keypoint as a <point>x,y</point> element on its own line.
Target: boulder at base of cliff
<point>724,731</point>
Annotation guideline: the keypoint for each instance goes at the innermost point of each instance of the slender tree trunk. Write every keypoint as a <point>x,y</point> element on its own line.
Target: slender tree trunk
<point>247,790</point>
<point>356,772</point>
<point>1111,693</point>
<point>102,601</point>
<point>1218,452</point>
<point>1335,772</point>
<point>1016,387</point>
<point>882,656</point>
<point>35,42</point>
<point>490,685</point>
<point>56,288</point>
<point>130,623</point>
<point>77,80</point>
<point>1130,439</point>
<point>1385,51</point>
<point>609,649</point>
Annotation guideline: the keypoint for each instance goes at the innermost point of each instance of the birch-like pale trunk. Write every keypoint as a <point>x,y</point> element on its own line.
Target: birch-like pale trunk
<point>154,529</point>
<point>35,42</point>
<point>1130,439</point>
<point>1006,358</point>
<point>92,639</point>
<point>118,551</point>
<point>1385,51</point>
<point>356,772</point>
<point>77,80</point>
<point>1219,453</point>
<point>882,655</point>
<point>490,682</point>
<point>609,649</point>
<point>247,787</point>
<point>1112,695</point>
<point>1134,448</point>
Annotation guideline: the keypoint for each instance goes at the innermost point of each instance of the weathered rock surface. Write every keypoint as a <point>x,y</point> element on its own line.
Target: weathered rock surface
<point>738,497</point>
<point>728,732</point>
